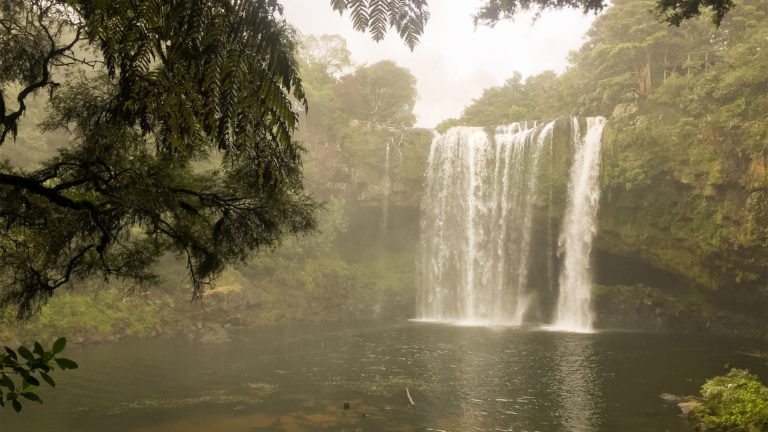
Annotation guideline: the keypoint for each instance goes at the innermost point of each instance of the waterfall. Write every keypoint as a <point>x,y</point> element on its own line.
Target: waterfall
<point>477,218</point>
<point>574,312</point>
<point>387,190</point>
<point>481,225</point>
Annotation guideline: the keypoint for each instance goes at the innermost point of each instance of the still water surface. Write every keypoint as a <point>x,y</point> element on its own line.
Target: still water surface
<point>460,378</point>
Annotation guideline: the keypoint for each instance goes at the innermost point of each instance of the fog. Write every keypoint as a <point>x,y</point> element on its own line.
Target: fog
<point>245,215</point>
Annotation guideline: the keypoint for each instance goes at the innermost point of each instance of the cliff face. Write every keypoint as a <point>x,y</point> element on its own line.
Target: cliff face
<point>682,239</point>
<point>690,204</point>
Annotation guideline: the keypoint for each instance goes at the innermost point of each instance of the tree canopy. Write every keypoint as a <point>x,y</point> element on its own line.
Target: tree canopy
<point>170,88</point>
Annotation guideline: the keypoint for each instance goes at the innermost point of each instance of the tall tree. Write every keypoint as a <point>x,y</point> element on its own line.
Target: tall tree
<point>381,94</point>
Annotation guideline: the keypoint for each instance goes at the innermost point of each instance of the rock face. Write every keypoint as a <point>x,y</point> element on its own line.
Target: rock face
<point>683,222</point>
<point>695,210</point>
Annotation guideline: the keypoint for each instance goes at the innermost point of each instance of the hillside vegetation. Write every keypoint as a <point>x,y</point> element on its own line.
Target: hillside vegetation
<point>685,153</point>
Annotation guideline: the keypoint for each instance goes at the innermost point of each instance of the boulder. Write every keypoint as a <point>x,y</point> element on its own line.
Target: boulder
<point>688,406</point>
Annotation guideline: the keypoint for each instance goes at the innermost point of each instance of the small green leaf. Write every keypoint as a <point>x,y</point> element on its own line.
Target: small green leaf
<point>24,351</point>
<point>47,378</point>
<point>16,405</point>
<point>31,396</point>
<point>59,345</point>
<point>39,349</point>
<point>65,363</point>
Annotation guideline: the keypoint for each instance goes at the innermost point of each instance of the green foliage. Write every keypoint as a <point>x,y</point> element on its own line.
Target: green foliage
<point>354,118</point>
<point>174,87</point>
<point>737,402</point>
<point>381,94</point>
<point>684,156</point>
<point>99,315</point>
<point>20,368</point>
<point>672,12</point>
<point>308,280</point>
<point>407,17</point>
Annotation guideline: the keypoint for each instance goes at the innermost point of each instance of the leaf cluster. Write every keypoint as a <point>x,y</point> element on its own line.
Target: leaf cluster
<point>736,402</point>
<point>26,365</point>
<point>407,17</point>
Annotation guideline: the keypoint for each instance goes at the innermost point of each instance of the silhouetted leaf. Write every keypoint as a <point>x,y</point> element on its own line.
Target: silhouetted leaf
<point>47,378</point>
<point>24,351</point>
<point>31,380</point>
<point>65,363</point>
<point>7,382</point>
<point>31,396</point>
<point>59,345</point>
<point>11,353</point>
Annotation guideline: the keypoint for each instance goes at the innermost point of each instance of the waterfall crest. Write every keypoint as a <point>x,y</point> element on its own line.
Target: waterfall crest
<point>481,213</point>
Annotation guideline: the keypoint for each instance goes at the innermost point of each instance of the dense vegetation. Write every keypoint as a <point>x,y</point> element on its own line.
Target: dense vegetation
<point>684,184</point>
<point>364,161</point>
<point>169,88</point>
<point>684,172</point>
<point>737,402</point>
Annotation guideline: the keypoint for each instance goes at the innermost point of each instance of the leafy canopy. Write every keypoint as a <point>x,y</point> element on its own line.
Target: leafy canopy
<point>180,124</point>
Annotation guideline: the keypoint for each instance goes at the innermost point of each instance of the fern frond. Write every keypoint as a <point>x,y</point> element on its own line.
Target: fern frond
<point>407,17</point>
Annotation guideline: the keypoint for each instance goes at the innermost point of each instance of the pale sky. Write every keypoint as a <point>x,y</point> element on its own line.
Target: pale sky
<point>455,61</point>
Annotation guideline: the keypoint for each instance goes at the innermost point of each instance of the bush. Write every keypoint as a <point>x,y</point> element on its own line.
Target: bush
<point>737,402</point>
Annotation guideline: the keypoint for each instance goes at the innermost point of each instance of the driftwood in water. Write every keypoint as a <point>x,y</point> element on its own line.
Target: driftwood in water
<point>410,399</point>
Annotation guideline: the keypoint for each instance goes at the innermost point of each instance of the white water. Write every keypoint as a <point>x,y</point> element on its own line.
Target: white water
<point>477,218</point>
<point>574,311</point>
<point>387,190</point>
<point>479,215</point>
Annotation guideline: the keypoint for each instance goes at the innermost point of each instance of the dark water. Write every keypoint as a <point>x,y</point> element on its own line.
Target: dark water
<point>460,378</point>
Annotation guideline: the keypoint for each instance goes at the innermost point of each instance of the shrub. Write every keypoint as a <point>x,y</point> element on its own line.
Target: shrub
<point>737,402</point>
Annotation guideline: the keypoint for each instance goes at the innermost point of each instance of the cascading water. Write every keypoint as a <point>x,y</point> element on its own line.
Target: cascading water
<point>387,190</point>
<point>574,312</point>
<point>476,224</point>
<point>481,208</point>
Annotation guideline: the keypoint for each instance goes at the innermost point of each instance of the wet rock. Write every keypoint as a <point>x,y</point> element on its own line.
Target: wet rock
<point>688,406</point>
<point>215,333</point>
<point>669,397</point>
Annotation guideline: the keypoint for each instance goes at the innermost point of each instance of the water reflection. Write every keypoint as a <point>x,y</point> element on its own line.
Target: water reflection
<point>516,380</point>
<point>576,373</point>
<point>461,378</point>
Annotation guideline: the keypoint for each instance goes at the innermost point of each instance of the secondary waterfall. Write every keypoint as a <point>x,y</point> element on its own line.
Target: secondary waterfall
<point>579,228</point>
<point>483,210</point>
